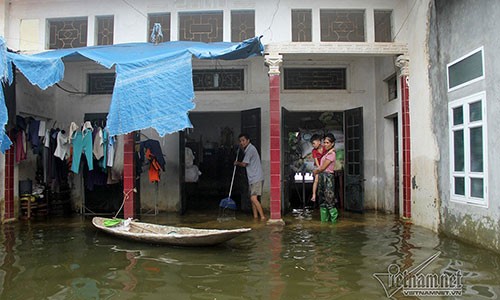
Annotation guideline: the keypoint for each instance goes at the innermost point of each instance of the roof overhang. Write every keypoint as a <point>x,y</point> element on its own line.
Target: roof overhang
<point>342,48</point>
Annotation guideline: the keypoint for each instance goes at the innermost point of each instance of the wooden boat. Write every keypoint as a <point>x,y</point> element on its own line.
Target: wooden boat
<point>169,235</point>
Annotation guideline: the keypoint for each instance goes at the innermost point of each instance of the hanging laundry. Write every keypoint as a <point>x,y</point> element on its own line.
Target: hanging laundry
<point>117,169</point>
<point>154,167</point>
<point>87,125</point>
<point>51,162</point>
<point>103,162</point>
<point>82,144</point>
<point>20,139</point>
<point>155,148</point>
<point>46,139</point>
<point>33,127</point>
<point>21,123</point>
<point>72,128</point>
<point>98,144</point>
<point>110,158</point>
<point>111,151</point>
<point>62,148</point>
<point>94,178</point>
<point>20,146</point>
<point>41,128</point>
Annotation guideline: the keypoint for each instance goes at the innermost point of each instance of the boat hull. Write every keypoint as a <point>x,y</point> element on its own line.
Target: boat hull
<point>169,235</point>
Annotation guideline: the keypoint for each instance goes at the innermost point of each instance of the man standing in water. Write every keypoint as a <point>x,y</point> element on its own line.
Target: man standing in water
<point>252,163</point>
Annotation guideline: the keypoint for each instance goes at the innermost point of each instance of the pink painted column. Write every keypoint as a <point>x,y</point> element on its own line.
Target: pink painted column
<point>275,145</point>
<point>402,62</point>
<point>129,175</point>
<point>9,183</point>
<point>274,61</point>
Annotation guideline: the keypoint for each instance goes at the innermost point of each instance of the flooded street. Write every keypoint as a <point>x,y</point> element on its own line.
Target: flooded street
<point>69,259</point>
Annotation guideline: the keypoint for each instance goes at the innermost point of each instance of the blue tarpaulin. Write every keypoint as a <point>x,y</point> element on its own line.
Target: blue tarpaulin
<point>153,88</point>
<point>4,75</point>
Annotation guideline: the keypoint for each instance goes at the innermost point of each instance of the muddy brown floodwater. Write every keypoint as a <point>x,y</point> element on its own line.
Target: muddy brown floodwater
<point>67,258</point>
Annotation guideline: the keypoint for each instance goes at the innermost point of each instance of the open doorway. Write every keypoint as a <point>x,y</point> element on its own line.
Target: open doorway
<point>396,165</point>
<point>297,129</point>
<point>210,150</point>
<point>102,196</point>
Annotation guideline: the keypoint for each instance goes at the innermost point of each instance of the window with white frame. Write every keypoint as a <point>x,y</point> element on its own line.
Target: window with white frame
<point>468,150</point>
<point>466,70</point>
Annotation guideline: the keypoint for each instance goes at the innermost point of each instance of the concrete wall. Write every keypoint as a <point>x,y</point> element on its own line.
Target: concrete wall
<point>386,111</point>
<point>3,17</point>
<point>273,19</point>
<point>166,195</point>
<point>459,28</point>
<point>425,154</point>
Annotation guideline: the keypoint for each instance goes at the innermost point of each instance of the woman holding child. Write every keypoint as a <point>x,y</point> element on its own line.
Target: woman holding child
<point>326,181</point>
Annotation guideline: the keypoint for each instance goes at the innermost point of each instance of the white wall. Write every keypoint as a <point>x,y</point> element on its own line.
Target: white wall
<point>386,110</point>
<point>272,18</point>
<point>167,193</point>
<point>425,151</point>
<point>4,20</point>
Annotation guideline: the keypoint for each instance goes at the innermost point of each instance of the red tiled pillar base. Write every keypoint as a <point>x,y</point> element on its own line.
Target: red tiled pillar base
<point>129,175</point>
<point>9,183</point>
<point>405,107</point>
<point>275,145</point>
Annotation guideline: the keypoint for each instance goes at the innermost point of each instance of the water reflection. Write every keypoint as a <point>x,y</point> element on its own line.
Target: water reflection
<point>402,244</point>
<point>8,269</point>
<point>480,281</point>
<point>69,259</point>
<point>277,283</point>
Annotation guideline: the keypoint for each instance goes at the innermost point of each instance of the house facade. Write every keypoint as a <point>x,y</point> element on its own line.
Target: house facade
<point>357,68</point>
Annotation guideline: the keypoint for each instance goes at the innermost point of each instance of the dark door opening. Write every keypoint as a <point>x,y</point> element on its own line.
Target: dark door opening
<point>297,163</point>
<point>250,124</point>
<point>287,175</point>
<point>100,197</point>
<point>354,181</point>
<point>182,170</point>
<point>396,166</point>
<point>209,153</point>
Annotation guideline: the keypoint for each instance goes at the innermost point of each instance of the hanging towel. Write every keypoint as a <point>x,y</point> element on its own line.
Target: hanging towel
<point>46,139</point>
<point>98,144</point>
<point>111,151</point>
<point>41,128</point>
<point>62,148</point>
<point>72,128</point>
